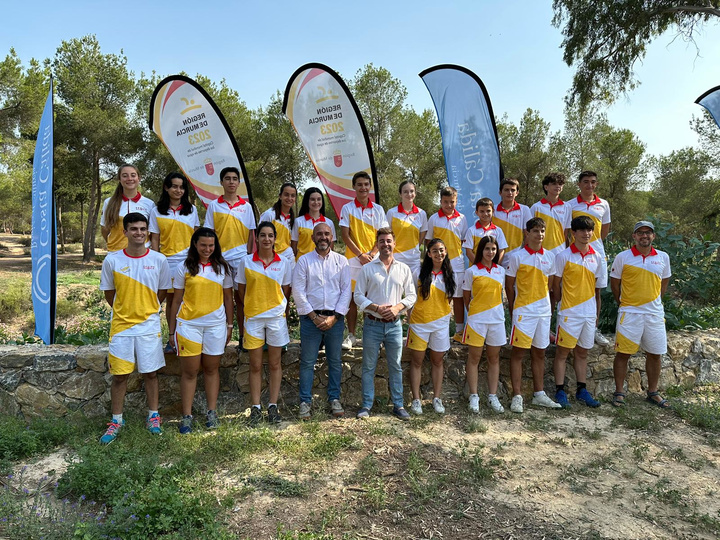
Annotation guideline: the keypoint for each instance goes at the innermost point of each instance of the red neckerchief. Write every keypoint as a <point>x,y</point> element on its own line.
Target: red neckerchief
<point>256,258</point>
<point>240,202</point>
<point>136,198</point>
<point>635,252</point>
<point>454,215</point>
<point>513,209</point>
<point>490,227</point>
<point>402,210</point>
<point>545,201</point>
<point>590,250</point>
<point>358,205</point>
<point>531,252</point>
<point>480,266</point>
<point>596,200</point>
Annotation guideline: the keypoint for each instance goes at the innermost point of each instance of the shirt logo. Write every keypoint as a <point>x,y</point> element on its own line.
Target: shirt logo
<point>125,269</point>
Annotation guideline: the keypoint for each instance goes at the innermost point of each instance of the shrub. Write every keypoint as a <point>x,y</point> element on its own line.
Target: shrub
<point>15,299</point>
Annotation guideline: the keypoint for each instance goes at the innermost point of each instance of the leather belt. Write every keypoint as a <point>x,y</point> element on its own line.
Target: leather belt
<point>324,312</point>
<point>378,319</point>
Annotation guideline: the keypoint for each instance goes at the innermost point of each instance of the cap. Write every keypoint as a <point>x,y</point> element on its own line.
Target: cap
<point>641,224</point>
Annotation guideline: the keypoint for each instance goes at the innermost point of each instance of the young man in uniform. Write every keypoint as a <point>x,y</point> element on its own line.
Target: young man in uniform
<point>511,216</point>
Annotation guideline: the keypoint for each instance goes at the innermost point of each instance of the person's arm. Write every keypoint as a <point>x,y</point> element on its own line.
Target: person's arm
<point>364,258</point>
<point>293,246</point>
<point>556,290</point>
<point>155,241</point>
<point>410,295</point>
<point>615,288</point>
<point>251,241</point>
<point>361,300</point>
<point>286,291</point>
<point>470,254</point>
<point>105,231</point>
<point>241,294</point>
<point>161,294</point>
<point>173,311</point>
<point>299,286</point>
<point>500,257</point>
<point>421,238</point>
<point>467,296</point>
<point>110,297</point>
<point>228,305</point>
<point>604,230</point>
<point>664,286</point>
<point>510,292</point>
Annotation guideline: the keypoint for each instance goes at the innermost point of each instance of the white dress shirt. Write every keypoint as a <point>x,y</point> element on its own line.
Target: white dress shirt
<point>321,283</point>
<point>376,285</point>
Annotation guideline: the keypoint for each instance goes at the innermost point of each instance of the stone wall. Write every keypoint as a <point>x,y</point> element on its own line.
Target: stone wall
<point>59,379</point>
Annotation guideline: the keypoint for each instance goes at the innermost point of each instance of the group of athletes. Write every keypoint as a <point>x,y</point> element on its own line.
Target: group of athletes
<point>542,259</point>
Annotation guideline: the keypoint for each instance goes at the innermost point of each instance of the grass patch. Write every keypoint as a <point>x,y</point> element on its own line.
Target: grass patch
<point>89,277</point>
<point>279,486</point>
<point>637,416</point>
<point>15,299</point>
<point>703,412</point>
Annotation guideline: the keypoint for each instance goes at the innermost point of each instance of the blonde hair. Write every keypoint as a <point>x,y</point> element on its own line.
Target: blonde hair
<point>112,212</point>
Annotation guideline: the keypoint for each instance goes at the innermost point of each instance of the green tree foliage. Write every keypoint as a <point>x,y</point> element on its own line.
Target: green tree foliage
<point>603,39</point>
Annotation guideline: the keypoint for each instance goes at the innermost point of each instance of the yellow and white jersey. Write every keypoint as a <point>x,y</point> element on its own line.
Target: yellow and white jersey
<point>513,223</point>
<point>264,297</point>
<point>451,230</point>
<point>363,222</point>
<point>302,232</point>
<point>202,303</point>
<point>434,310</point>
<point>531,270</point>
<point>175,231</point>
<point>282,227</point>
<point>486,286</point>
<point>116,239</point>
<point>407,226</point>
<point>599,211</point>
<point>579,275</point>
<point>557,218</point>
<point>641,279</point>
<point>232,224</point>
<point>136,282</point>
<point>476,233</point>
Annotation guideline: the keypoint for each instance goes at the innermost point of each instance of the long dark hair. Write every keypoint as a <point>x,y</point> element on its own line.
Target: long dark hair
<point>305,205</point>
<point>163,204</point>
<point>278,204</point>
<point>427,268</point>
<point>216,259</point>
<point>484,241</point>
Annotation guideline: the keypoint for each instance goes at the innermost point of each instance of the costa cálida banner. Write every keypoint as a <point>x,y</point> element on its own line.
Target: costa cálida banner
<point>326,118</point>
<point>469,134</point>
<point>711,101</point>
<point>43,242</point>
<point>192,128</point>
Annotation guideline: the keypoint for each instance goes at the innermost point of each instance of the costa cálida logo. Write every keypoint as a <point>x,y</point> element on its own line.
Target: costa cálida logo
<point>209,168</point>
<point>337,158</point>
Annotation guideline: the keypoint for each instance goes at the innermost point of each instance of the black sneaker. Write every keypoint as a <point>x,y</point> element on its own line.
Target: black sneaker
<point>255,416</point>
<point>273,416</point>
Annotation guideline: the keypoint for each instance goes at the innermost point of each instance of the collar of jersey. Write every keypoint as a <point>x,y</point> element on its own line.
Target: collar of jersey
<point>454,215</point>
<point>358,205</point>
<point>515,207</point>
<point>413,210</point>
<point>175,210</point>
<point>590,250</point>
<point>139,256</point>
<point>256,258</point>
<point>480,266</point>
<point>436,274</point>
<point>596,200</point>
<point>488,228</point>
<point>531,252</point>
<point>545,201</point>
<point>638,254</point>
<point>136,198</point>
<point>240,202</point>
<point>321,219</point>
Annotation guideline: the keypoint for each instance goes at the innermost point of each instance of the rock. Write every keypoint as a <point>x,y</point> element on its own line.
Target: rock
<point>57,358</point>
<point>229,357</point>
<point>36,402</point>
<point>10,379</point>
<point>708,372</point>
<point>49,380</point>
<point>83,385</point>
<point>12,356</point>
<point>8,405</point>
<point>92,357</point>
<point>172,366</point>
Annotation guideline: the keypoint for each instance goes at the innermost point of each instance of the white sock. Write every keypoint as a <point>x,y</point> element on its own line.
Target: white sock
<point>117,418</point>
<point>540,393</point>
<point>150,413</point>
<point>271,404</point>
<point>258,407</point>
<point>492,396</point>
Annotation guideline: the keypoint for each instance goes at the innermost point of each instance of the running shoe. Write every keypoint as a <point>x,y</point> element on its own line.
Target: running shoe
<point>304,411</point>
<point>336,408</point>
<point>542,400</point>
<point>583,396</point>
<point>474,404</point>
<point>438,405</point>
<point>495,404</point>
<point>562,398</point>
<point>112,431</point>
<point>516,405</point>
<point>185,426</point>
<point>600,339</point>
<point>364,412</point>
<point>255,416</point>
<point>153,424</point>
<point>273,416</point>
<point>401,413</point>
<point>416,406</point>
<point>211,420</point>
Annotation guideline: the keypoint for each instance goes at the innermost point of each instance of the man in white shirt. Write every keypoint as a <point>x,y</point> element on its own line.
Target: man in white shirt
<point>383,290</point>
<point>321,288</point>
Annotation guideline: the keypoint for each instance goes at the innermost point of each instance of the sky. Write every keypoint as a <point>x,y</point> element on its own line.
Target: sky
<point>256,46</point>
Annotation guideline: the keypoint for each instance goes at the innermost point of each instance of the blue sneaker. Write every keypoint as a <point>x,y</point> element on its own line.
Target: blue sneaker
<point>153,424</point>
<point>583,396</point>
<point>112,432</point>
<point>185,426</point>
<point>562,399</point>
<point>401,413</point>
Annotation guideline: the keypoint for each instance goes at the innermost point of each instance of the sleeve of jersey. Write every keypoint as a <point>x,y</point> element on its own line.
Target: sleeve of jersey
<point>240,276</point>
<point>249,220</point>
<point>332,226</point>
<point>666,271</point>
<point>431,228</point>
<point>383,222</point>
<point>469,242</point>
<point>107,281</point>
<point>227,280</point>
<point>287,276</point>
<point>528,216</point>
<point>295,233</point>
<point>267,215</point>
<point>153,226</point>
<point>502,242</point>
<point>606,215</point>
<point>512,265</point>
<point>209,216</point>
<point>560,261</point>
<point>102,213</point>
<point>467,280</point>
<point>617,267</point>
<point>179,277</point>
<point>463,226</point>
<point>164,282</point>
<point>196,217</point>
<point>345,216</point>
<point>423,221</point>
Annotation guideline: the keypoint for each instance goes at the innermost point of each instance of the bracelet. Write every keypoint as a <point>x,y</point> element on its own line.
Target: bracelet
<point>172,334</point>
<point>313,319</point>
<point>229,325</point>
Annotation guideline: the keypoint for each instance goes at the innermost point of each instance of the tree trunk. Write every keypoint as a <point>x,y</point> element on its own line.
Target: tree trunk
<point>60,229</point>
<point>93,210</point>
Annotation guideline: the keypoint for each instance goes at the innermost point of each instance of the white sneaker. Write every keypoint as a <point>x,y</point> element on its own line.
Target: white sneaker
<point>543,400</point>
<point>416,407</point>
<point>516,405</point>
<point>600,339</point>
<point>474,404</point>
<point>438,405</point>
<point>347,343</point>
<point>495,405</point>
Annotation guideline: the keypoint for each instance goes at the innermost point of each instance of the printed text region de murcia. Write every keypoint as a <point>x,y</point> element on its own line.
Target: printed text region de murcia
<point>192,123</point>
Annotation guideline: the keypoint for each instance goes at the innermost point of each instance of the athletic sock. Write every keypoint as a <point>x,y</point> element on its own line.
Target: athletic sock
<point>258,407</point>
<point>559,387</point>
<point>271,404</point>
<point>150,413</point>
<point>540,393</point>
<point>581,385</point>
<point>117,418</point>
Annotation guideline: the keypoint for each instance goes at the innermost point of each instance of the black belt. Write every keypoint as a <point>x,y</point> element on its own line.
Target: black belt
<point>378,319</point>
<point>324,312</point>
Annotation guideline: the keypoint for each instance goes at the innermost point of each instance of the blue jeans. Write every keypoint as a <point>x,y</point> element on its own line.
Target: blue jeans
<point>310,338</point>
<point>374,333</point>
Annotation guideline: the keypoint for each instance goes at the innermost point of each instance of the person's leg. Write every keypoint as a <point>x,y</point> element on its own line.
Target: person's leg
<point>211,375</point>
<point>652,369</point>
<point>275,375</point>
<point>620,367</point>
<point>255,375</point>
<point>189,365</point>
<point>310,338</point>
<point>459,311</point>
<point>152,390</point>
<point>372,337</point>
<point>537,364</point>
<point>437,371</point>
<point>493,372</point>
<point>118,389</point>
<point>352,318</point>
<point>333,357</point>
<point>168,304</point>
<point>516,358</point>
<point>471,368</point>
<point>561,354</point>
<point>580,362</point>
<point>239,313</point>
<point>393,353</point>
<point>416,361</point>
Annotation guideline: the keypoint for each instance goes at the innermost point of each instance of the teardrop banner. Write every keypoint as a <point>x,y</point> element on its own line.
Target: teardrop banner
<point>711,101</point>
<point>325,116</point>
<point>192,128</point>
<point>469,134</point>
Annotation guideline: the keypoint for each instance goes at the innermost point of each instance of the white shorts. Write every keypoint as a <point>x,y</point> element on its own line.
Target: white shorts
<point>459,278</point>
<point>636,330</point>
<point>273,331</point>
<point>478,335</point>
<point>420,337</point>
<point>173,267</point>
<point>193,340</point>
<point>530,330</point>
<point>234,266</point>
<point>602,280</point>
<point>124,351</point>
<point>575,332</point>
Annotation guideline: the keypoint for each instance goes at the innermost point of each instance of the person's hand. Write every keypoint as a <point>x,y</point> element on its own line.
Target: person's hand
<point>229,335</point>
<point>364,258</point>
<point>385,311</point>
<point>395,310</point>
<point>327,323</point>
